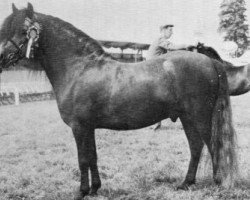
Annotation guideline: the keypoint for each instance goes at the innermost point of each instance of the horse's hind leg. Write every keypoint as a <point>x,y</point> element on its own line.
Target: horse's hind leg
<point>216,178</point>
<point>85,141</point>
<point>196,145</point>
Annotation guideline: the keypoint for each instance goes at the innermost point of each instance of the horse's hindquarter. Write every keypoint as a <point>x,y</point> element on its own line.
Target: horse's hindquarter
<point>196,82</point>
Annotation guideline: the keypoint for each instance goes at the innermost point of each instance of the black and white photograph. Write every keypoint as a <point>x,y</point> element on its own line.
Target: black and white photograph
<point>124,100</point>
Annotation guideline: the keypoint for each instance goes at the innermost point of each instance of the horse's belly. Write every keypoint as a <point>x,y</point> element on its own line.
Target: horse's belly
<point>138,107</point>
<point>128,124</point>
<point>135,117</point>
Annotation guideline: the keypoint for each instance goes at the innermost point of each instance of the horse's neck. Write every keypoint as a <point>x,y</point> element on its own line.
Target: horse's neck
<point>213,54</point>
<point>234,70</point>
<point>61,46</point>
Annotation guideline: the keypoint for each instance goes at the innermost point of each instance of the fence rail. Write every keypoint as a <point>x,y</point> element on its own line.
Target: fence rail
<point>11,90</point>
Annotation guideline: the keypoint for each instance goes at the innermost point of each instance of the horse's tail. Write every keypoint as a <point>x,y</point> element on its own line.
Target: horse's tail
<point>223,141</point>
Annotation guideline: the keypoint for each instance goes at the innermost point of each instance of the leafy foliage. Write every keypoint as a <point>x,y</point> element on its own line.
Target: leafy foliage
<point>233,23</point>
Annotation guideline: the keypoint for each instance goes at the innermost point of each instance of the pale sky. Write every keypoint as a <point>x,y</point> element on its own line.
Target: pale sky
<point>134,20</point>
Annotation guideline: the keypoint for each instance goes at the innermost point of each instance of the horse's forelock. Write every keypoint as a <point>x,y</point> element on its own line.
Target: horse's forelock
<point>6,27</point>
<point>12,23</point>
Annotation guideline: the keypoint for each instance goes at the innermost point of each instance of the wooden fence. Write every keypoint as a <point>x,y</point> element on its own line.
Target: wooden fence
<point>22,85</point>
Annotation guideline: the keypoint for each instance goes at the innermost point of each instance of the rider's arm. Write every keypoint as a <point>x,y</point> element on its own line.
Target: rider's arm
<point>177,46</point>
<point>166,44</point>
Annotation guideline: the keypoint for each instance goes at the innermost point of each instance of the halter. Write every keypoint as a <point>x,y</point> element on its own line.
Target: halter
<point>33,30</point>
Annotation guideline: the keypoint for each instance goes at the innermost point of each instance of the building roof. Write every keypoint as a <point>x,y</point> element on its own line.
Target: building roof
<point>124,45</point>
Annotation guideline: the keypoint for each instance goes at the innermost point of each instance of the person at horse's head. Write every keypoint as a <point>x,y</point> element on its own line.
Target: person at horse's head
<point>163,44</point>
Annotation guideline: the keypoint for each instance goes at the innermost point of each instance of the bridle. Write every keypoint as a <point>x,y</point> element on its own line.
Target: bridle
<point>200,45</point>
<point>32,32</point>
<point>197,47</point>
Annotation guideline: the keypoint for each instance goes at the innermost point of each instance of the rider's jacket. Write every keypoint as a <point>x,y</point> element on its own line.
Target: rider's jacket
<point>158,47</point>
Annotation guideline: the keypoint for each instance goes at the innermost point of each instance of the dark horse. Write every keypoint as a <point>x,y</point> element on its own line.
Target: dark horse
<point>94,91</point>
<point>238,76</point>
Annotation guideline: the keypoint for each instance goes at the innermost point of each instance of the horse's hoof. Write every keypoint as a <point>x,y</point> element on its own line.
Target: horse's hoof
<point>182,187</point>
<point>80,195</point>
<point>217,181</point>
<point>93,193</point>
<point>185,185</point>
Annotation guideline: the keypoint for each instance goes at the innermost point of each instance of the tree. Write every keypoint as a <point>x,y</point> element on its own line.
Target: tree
<point>233,24</point>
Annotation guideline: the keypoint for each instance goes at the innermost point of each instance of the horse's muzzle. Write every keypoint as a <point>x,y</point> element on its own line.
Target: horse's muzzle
<point>9,60</point>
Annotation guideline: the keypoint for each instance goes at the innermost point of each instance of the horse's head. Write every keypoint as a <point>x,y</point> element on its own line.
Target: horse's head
<point>191,48</point>
<point>208,51</point>
<point>200,46</point>
<point>19,35</point>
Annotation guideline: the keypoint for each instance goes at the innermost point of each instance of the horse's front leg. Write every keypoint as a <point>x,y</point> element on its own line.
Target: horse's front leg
<point>85,141</point>
<point>95,178</point>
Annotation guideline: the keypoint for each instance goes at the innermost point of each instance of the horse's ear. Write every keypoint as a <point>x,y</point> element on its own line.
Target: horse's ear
<point>30,11</point>
<point>14,8</point>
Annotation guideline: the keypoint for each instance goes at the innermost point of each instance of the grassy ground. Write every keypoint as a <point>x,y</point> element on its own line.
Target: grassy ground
<point>38,158</point>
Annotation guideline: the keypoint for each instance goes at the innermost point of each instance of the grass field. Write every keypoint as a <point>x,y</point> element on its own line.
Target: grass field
<point>38,158</point>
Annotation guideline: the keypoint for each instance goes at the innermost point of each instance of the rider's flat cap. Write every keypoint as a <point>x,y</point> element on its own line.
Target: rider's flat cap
<point>166,26</point>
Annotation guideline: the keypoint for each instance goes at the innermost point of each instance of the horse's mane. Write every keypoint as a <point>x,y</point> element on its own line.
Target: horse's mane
<point>67,29</point>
